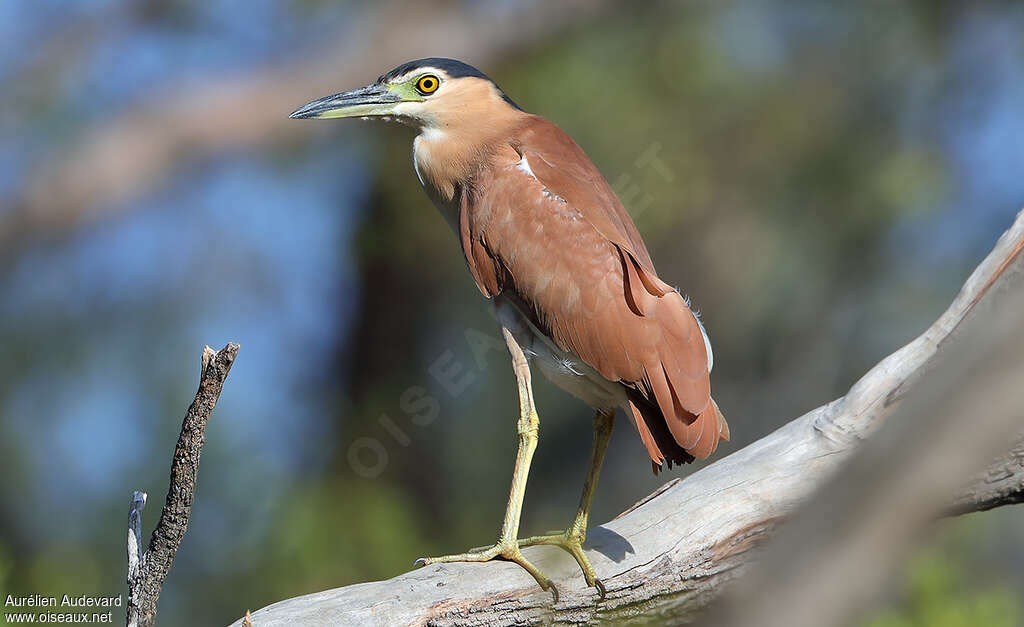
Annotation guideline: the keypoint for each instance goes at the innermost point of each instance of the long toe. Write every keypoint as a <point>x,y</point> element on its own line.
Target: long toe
<point>504,551</point>
<point>573,546</point>
<point>482,555</point>
<point>513,554</point>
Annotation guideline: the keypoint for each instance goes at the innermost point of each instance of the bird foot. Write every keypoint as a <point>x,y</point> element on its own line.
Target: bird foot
<point>572,542</point>
<point>503,550</point>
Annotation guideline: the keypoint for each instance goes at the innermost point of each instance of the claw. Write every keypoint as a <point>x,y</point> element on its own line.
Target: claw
<point>600,588</point>
<point>554,591</point>
<point>420,562</point>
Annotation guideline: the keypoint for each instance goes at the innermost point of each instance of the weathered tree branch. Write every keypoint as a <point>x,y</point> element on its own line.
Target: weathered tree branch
<point>1001,484</point>
<point>830,562</point>
<point>670,554</point>
<point>147,571</point>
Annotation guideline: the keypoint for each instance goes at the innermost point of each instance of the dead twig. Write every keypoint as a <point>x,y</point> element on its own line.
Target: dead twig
<point>148,570</point>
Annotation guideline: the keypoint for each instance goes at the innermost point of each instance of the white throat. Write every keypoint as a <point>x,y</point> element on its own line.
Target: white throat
<point>422,155</point>
<point>421,150</point>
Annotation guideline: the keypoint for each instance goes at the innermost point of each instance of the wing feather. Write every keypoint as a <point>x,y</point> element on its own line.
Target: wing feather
<point>543,223</point>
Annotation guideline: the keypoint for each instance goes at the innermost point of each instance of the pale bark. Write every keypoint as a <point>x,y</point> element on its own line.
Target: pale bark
<point>835,558</point>
<point>670,555</point>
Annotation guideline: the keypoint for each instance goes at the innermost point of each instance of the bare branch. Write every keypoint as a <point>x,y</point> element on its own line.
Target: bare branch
<point>669,556</point>
<point>147,571</point>
<point>1001,484</point>
<point>135,553</point>
<point>836,555</point>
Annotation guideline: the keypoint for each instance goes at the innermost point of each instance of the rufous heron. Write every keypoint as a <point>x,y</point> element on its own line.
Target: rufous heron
<point>571,282</point>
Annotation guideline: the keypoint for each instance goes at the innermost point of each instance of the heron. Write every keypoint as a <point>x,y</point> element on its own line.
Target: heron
<point>571,282</point>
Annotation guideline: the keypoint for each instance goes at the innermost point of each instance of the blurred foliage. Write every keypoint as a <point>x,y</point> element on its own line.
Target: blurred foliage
<point>939,597</point>
<point>947,587</point>
<point>818,176</point>
<point>6,566</point>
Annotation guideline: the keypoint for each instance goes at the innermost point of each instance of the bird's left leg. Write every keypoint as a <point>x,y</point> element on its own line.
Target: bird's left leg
<point>572,538</point>
<point>507,547</point>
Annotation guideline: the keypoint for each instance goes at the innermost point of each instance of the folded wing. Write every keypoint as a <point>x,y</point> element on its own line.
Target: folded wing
<point>558,238</point>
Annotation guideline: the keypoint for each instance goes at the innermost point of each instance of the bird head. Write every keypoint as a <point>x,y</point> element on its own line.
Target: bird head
<point>426,93</point>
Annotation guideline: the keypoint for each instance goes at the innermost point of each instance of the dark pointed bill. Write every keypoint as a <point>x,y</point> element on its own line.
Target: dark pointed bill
<point>365,101</point>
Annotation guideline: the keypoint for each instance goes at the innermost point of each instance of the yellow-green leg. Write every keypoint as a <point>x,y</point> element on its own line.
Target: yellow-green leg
<point>507,547</point>
<point>572,538</point>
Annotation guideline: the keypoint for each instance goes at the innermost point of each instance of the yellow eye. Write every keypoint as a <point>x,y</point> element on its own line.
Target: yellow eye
<point>428,84</point>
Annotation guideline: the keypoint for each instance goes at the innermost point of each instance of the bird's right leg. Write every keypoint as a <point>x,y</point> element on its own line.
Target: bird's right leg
<point>572,538</point>
<point>507,547</point>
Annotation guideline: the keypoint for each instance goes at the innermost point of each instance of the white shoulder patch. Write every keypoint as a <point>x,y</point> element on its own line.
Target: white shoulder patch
<point>524,166</point>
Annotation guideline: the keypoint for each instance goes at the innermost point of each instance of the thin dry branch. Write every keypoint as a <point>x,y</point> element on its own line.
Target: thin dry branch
<point>670,555</point>
<point>147,571</point>
<point>120,159</point>
<point>1001,484</point>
